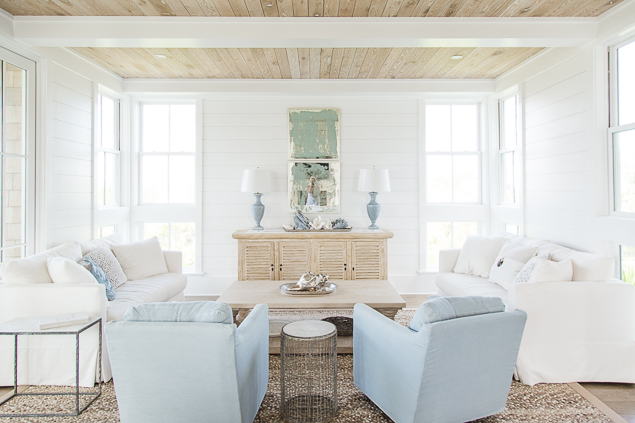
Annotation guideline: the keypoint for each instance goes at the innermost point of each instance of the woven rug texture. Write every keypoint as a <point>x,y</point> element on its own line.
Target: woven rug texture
<point>541,403</point>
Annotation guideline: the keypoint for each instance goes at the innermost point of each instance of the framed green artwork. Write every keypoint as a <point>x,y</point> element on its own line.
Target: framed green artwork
<point>314,134</point>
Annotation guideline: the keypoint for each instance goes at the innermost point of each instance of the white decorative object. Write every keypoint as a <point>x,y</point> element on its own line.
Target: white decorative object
<point>478,255</point>
<point>321,223</point>
<point>373,181</point>
<point>63,320</point>
<point>63,270</point>
<point>257,182</point>
<point>140,260</point>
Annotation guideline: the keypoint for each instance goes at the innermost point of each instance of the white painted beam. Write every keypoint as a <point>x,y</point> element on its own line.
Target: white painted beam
<point>303,87</point>
<point>303,32</point>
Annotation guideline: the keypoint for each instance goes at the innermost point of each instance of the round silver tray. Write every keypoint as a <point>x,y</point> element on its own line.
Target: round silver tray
<point>284,288</point>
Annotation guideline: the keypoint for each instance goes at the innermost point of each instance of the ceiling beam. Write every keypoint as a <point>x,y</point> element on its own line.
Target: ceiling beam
<point>179,32</point>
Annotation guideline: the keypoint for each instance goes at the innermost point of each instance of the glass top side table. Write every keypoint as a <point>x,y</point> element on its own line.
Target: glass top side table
<point>30,326</point>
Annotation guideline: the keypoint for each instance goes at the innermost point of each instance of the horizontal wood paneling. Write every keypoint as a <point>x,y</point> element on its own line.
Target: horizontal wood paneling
<point>557,197</point>
<point>249,132</point>
<point>329,8</point>
<point>70,203</point>
<point>375,63</point>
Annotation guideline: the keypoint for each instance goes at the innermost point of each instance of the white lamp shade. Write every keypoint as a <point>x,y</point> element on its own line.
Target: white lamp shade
<point>374,180</point>
<point>256,180</point>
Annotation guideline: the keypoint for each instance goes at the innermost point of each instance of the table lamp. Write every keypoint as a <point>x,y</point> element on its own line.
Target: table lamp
<point>258,182</point>
<point>373,181</point>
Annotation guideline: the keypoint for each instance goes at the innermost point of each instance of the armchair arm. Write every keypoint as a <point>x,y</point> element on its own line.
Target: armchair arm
<point>575,313</point>
<point>388,361</point>
<point>448,259</point>
<point>252,360</point>
<point>174,260</point>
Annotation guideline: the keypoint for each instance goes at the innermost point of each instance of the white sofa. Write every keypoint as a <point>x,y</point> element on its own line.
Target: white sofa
<point>577,331</point>
<point>51,360</point>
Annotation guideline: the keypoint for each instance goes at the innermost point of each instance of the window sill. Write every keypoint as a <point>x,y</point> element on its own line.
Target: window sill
<point>428,272</point>
<point>194,273</point>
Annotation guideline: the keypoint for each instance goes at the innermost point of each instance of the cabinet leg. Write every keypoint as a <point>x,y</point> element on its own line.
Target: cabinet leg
<point>388,312</point>
<point>240,315</point>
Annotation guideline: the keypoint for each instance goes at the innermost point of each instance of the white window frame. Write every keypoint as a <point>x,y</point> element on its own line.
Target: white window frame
<point>452,212</point>
<point>615,128</point>
<point>116,151</point>
<point>168,212</point>
<point>517,151</point>
<point>113,215</point>
<point>29,193</point>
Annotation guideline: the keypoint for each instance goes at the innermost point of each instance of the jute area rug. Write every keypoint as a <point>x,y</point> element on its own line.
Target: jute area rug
<point>540,403</point>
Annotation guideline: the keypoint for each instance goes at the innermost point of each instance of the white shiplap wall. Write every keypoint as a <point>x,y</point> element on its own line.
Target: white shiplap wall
<point>69,203</point>
<point>557,150</point>
<point>241,133</point>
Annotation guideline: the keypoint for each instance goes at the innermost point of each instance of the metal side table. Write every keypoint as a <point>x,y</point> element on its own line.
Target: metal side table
<point>308,371</point>
<point>20,327</point>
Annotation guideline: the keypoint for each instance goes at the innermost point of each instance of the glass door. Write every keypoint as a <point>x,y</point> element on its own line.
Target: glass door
<point>17,155</point>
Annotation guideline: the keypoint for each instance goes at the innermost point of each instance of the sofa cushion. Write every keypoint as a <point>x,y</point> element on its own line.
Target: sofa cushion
<point>539,269</point>
<point>586,266</point>
<point>33,269</point>
<point>105,259</point>
<point>105,242</point>
<point>478,255</point>
<point>158,288</point>
<point>140,260</point>
<point>63,270</point>
<point>99,274</point>
<point>457,285</point>
<point>193,311</point>
<point>504,272</point>
<point>439,308</point>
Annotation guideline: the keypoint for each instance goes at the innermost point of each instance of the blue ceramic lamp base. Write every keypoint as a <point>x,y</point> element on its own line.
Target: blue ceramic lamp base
<point>373,209</point>
<point>257,211</point>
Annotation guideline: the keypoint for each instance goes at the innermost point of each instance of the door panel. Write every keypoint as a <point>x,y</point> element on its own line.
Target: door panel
<point>330,257</point>
<point>256,261</point>
<point>294,259</point>
<point>367,260</point>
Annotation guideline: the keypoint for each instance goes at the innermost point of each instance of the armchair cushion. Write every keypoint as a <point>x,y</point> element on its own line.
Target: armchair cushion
<point>439,308</point>
<point>141,259</point>
<point>193,311</point>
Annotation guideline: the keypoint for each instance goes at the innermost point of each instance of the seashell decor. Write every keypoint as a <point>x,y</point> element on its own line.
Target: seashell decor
<point>302,223</point>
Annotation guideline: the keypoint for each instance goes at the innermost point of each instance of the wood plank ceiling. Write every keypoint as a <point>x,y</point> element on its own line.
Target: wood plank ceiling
<point>333,8</point>
<point>309,63</point>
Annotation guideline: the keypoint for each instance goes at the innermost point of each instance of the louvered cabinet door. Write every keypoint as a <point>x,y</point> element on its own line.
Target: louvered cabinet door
<point>368,260</point>
<point>256,260</point>
<point>330,257</point>
<point>294,259</point>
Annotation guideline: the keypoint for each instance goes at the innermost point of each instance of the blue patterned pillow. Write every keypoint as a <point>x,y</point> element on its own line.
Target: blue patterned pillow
<point>99,274</point>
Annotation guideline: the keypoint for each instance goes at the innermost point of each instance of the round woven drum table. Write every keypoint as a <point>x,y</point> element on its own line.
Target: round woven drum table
<point>308,371</point>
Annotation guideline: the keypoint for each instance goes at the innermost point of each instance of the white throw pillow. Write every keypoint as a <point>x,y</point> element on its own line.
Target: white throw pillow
<point>478,255</point>
<point>140,260</point>
<point>33,269</point>
<point>505,274</point>
<point>63,270</point>
<point>518,256</point>
<point>105,242</point>
<point>539,269</point>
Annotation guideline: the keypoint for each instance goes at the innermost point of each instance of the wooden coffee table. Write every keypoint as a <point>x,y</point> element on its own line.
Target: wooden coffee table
<point>242,296</point>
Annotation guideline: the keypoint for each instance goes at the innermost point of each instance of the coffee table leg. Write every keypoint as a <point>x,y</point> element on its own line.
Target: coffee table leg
<point>388,312</point>
<point>240,315</point>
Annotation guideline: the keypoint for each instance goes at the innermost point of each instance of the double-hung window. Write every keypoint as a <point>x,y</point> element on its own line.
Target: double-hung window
<point>167,177</point>
<point>17,156</point>
<point>452,177</point>
<point>108,144</point>
<point>621,135</point>
<point>509,158</point>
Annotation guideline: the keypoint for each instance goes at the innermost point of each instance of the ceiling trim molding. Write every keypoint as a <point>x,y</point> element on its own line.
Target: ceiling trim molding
<point>195,32</point>
<point>307,86</point>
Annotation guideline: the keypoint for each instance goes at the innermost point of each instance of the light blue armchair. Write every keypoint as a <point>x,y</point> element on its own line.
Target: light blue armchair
<point>454,364</point>
<point>187,362</point>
